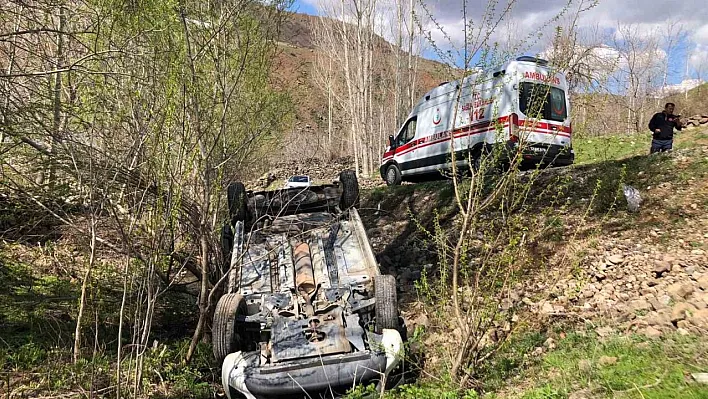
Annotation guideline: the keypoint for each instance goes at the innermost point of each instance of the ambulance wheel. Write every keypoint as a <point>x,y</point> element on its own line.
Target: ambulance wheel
<point>477,161</point>
<point>393,175</point>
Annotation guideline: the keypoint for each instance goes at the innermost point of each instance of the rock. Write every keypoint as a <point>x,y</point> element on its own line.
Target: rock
<point>679,291</point>
<point>616,259</point>
<point>661,268</point>
<point>683,324</point>
<point>649,291</point>
<point>660,318</point>
<point>639,305</point>
<point>550,343</point>
<point>669,259</point>
<point>652,332</point>
<point>700,319</point>
<point>506,304</point>
<point>549,308</point>
<point>607,360</point>
<point>682,311</point>
<point>420,321</point>
<point>582,394</point>
<point>701,378</point>
<point>584,365</point>
<point>700,300</point>
<point>698,252</point>
<point>703,282</point>
<point>682,331</point>
<point>537,352</point>
<point>604,331</point>
<point>655,304</point>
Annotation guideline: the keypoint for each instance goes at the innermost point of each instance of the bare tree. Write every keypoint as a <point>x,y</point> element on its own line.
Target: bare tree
<point>641,61</point>
<point>372,79</point>
<point>143,127</point>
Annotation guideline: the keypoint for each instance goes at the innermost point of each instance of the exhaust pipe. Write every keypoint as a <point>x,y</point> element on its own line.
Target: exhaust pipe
<point>304,275</point>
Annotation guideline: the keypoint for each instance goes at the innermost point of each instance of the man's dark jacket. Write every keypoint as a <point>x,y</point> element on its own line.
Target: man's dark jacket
<point>665,123</point>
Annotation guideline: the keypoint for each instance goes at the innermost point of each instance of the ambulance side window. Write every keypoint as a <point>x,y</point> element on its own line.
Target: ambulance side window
<point>407,133</point>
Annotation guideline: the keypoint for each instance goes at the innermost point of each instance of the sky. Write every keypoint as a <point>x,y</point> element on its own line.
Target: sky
<point>534,17</point>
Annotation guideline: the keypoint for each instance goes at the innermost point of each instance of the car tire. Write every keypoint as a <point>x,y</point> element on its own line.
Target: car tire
<point>393,175</point>
<point>227,243</point>
<point>386,303</point>
<point>227,331</point>
<point>350,189</point>
<point>237,202</point>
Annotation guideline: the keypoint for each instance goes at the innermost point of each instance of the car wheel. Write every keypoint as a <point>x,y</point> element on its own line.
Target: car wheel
<point>386,303</point>
<point>227,243</point>
<point>393,175</point>
<point>227,329</point>
<point>350,189</point>
<point>236,198</point>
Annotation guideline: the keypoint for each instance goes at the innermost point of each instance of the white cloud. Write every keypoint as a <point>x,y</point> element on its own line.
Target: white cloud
<point>527,18</point>
<point>698,61</point>
<point>701,35</point>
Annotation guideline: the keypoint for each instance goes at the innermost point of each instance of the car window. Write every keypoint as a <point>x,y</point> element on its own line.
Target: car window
<point>543,101</point>
<point>407,133</point>
<point>558,110</point>
<point>299,179</point>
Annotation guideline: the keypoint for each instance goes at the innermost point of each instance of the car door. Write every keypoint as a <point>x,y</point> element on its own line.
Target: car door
<point>406,145</point>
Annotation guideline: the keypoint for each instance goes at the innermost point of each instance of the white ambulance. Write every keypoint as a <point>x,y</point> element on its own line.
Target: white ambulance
<point>523,107</point>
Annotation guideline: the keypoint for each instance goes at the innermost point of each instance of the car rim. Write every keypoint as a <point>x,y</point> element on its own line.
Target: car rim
<point>391,175</point>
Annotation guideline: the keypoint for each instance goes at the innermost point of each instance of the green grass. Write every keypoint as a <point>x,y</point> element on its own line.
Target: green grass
<point>606,148</point>
<point>37,322</point>
<point>645,368</point>
<point>614,147</point>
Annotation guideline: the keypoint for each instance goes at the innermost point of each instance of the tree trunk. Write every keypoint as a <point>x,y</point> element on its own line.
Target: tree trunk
<point>56,97</point>
<point>84,288</point>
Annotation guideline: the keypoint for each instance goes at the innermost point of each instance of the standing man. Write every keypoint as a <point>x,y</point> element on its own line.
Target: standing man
<point>662,126</point>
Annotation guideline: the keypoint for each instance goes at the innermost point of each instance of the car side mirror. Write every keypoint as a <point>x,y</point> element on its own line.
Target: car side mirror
<point>391,141</point>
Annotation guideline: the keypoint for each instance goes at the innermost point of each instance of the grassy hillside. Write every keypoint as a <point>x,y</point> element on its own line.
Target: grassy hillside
<point>588,349</point>
<point>694,102</point>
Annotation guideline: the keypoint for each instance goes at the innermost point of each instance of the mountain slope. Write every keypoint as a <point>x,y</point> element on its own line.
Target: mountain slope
<point>294,71</point>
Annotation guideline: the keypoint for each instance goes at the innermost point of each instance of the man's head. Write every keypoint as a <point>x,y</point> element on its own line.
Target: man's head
<point>669,108</point>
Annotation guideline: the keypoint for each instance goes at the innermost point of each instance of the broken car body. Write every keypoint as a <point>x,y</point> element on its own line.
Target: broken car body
<point>306,308</point>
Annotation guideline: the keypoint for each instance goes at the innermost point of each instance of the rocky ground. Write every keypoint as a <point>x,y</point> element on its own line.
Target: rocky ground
<point>648,274</point>
<point>644,272</point>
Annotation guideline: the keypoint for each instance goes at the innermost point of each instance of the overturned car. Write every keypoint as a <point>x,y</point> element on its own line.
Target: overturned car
<point>306,309</point>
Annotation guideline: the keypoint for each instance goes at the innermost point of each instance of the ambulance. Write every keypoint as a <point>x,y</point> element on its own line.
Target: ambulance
<point>523,107</point>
